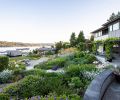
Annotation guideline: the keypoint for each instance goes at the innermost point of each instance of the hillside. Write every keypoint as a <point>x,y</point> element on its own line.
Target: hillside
<point>19,44</point>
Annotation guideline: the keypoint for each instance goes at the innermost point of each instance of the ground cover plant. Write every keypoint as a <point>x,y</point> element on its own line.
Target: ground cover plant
<point>54,63</point>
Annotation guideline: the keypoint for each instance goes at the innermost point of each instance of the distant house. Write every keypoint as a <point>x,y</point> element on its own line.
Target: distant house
<point>14,53</point>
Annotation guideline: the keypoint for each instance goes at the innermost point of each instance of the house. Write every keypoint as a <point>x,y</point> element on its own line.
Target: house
<point>14,53</point>
<point>109,30</point>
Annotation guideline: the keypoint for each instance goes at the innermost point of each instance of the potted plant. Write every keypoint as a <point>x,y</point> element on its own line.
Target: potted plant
<point>116,71</point>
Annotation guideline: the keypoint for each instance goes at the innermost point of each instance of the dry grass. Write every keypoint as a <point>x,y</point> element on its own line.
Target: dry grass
<point>68,50</point>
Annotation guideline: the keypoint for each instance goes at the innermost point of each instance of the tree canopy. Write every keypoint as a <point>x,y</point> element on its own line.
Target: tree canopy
<point>73,40</point>
<point>113,16</point>
<point>81,37</point>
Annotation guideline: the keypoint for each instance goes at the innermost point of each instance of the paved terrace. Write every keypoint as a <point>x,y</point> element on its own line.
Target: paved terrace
<point>105,63</point>
<point>103,87</point>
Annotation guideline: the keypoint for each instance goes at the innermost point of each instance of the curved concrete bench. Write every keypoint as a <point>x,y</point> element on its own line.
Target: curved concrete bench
<point>99,85</point>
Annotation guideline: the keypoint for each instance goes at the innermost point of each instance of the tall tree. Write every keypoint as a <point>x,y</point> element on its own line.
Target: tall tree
<point>92,38</point>
<point>118,15</point>
<point>81,37</point>
<point>90,43</point>
<point>73,40</point>
<point>113,16</point>
<point>58,46</point>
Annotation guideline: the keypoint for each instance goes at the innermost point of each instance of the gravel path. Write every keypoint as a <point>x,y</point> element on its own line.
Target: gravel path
<point>35,62</point>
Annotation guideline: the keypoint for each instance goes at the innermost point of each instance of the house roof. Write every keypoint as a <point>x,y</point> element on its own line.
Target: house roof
<point>104,26</point>
<point>99,29</point>
<point>111,21</point>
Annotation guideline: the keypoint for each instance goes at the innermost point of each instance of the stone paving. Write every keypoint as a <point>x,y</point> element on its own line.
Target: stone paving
<point>115,62</point>
<point>113,92</point>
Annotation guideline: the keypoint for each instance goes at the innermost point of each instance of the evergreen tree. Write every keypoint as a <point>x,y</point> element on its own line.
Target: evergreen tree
<point>81,37</point>
<point>118,15</point>
<point>73,40</point>
<point>92,38</point>
<point>113,16</point>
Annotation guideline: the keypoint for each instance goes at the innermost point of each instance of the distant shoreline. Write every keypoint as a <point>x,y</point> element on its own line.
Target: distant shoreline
<point>20,44</point>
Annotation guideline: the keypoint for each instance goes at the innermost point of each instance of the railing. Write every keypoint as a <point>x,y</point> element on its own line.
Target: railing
<point>114,34</point>
<point>102,37</point>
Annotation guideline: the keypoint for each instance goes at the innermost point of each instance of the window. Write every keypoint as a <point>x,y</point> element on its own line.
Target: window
<point>96,34</point>
<point>115,26</point>
<point>110,28</point>
<point>99,33</point>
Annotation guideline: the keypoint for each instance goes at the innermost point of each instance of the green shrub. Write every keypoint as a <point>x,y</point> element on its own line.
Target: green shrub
<point>35,85</point>
<point>90,58</point>
<point>80,58</point>
<point>11,89</point>
<point>5,76</point>
<point>54,97</point>
<point>4,96</point>
<point>4,60</point>
<point>59,62</point>
<point>38,72</point>
<point>75,97</point>
<point>79,54</point>
<point>78,70</point>
<point>49,53</point>
<point>75,82</point>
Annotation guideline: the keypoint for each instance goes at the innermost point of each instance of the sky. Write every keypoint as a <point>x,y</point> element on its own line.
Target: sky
<point>49,21</point>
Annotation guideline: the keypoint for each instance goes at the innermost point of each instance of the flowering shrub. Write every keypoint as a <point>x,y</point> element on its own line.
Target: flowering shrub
<point>5,76</point>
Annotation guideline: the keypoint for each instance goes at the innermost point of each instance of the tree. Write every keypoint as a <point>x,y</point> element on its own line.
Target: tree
<point>118,15</point>
<point>4,61</point>
<point>73,40</point>
<point>58,46</point>
<point>81,41</point>
<point>90,43</point>
<point>81,46</point>
<point>113,16</point>
<point>66,45</point>
<point>81,37</point>
<point>92,38</point>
